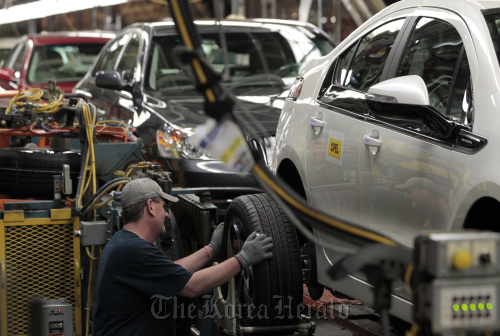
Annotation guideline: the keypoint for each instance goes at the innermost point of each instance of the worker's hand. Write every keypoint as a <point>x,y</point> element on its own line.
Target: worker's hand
<point>256,248</point>
<point>216,241</point>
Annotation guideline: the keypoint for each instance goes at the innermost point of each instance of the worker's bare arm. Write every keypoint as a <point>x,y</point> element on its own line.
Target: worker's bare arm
<point>209,278</point>
<point>195,261</point>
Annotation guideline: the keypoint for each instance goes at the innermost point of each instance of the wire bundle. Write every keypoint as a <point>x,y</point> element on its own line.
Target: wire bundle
<point>34,96</point>
<point>87,173</point>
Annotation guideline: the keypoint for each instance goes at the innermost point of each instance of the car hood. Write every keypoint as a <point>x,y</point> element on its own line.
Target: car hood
<point>259,108</point>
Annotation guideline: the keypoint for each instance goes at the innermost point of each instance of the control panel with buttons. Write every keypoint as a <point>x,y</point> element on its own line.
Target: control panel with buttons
<point>457,279</point>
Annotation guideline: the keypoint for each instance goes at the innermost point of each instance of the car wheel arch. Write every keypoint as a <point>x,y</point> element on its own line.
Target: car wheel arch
<point>291,176</point>
<point>484,214</point>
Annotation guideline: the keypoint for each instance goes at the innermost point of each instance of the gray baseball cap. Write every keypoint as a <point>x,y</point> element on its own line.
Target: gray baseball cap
<point>141,190</point>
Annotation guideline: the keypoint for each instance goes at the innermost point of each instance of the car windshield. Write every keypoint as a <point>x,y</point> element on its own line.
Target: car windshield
<point>62,63</point>
<point>248,53</point>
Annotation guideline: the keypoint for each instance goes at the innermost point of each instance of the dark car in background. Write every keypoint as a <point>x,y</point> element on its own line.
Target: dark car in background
<point>64,57</point>
<point>136,79</point>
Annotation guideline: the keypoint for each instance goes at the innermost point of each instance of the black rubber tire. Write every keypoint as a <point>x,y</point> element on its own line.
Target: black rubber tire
<point>275,283</point>
<point>29,173</point>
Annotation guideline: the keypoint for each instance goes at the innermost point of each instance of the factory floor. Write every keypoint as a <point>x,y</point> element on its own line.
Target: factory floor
<point>336,315</point>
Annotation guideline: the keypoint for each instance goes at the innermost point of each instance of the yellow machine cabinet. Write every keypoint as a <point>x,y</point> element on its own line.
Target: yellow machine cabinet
<point>39,258</point>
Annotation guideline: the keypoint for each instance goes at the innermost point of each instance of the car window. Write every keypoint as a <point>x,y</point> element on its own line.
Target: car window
<point>433,52</point>
<point>63,63</point>
<point>493,21</point>
<point>19,60</point>
<point>10,55</point>
<point>111,54</point>
<point>248,53</point>
<point>362,64</point>
<point>128,60</point>
<point>461,92</point>
<point>15,59</point>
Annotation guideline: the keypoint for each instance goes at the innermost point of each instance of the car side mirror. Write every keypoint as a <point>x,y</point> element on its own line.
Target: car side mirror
<point>8,74</point>
<point>112,80</point>
<point>403,90</point>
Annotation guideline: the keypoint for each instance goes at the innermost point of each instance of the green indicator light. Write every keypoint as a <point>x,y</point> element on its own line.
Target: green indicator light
<point>480,306</point>
<point>465,307</point>
<point>456,307</point>
<point>489,306</point>
<point>472,307</point>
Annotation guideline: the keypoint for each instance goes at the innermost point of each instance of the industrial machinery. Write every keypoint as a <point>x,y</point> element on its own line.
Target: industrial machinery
<point>62,170</point>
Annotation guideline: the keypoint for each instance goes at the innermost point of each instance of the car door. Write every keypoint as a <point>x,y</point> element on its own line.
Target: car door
<point>127,64</point>
<point>120,55</point>
<point>14,66</point>
<point>336,123</point>
<point>405,172</point>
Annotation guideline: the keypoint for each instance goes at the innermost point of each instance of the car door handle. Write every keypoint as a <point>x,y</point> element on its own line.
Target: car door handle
<point>316,122</point>
<point>370,141</point>
<point>373,142</point>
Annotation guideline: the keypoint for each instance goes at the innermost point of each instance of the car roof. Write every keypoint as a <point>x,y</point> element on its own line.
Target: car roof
<point>454,5</point>
<point>235,24</point>
<point>465,8</point>
<point>70,37</point>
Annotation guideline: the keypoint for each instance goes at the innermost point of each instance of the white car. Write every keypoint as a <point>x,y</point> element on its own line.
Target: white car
<point>397,129</point>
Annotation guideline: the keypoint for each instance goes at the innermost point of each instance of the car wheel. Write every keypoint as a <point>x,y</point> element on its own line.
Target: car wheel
<point>29,172</point>
<point>273,287</point>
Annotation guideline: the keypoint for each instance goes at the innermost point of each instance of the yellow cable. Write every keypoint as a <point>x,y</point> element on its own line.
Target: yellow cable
<point>52,107</point>
<point>198,70</point>
<point>89,134</point>
<point>320,217</point>
<point>90,254</point>
<point>89,167</point>
<point>34,95</point>
<point>414,330</point>
<point>120,122</point>
<point>19,95</point>
<point>89,288</point>
<point>407,278</point>
<point>93,205</point>
<point>83,182</point>
<point>90,118</point>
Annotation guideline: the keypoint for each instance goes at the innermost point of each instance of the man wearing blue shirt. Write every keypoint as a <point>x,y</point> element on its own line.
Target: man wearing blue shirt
<point>133,273</point>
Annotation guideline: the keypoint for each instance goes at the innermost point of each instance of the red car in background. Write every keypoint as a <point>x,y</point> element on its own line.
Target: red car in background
<point>64,57</point>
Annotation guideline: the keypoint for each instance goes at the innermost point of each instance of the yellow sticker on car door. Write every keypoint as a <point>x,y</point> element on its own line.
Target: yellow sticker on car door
<point>334,150</point>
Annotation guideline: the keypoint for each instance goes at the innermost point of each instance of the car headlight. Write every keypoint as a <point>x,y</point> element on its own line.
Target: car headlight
<point>174,143</point>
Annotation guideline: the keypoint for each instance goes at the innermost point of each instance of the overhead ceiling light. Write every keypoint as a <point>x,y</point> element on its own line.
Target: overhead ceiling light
<point>44,8</point>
